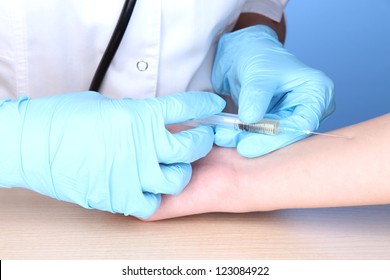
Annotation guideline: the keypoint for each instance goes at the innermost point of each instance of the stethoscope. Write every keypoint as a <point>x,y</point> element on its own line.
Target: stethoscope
<point>113,45</point>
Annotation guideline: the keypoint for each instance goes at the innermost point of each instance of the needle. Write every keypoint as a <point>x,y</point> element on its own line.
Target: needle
<point>326,134</point>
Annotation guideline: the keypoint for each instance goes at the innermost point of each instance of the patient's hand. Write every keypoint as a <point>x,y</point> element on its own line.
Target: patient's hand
<point>212,188</point>
<point>218,184</point>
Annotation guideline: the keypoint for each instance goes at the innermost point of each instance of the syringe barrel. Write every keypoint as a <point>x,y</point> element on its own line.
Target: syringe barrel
<point>265,126</point>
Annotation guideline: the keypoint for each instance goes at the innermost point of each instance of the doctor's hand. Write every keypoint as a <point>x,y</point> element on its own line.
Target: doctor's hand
<point>108,154</point>
<point>265,80</point>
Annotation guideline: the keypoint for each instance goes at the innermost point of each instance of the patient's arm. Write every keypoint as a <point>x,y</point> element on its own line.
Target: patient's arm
<point>316,172</point>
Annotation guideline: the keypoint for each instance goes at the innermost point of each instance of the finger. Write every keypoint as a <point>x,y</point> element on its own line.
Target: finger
<point>186,146</point>
<point>173,179</point>
<point>151,203</point>
<point>255,145</point>
<point>254,100</point>
<point>300,118</point>
<point>125,194</point>
<point>311,88</point>
<point>131,200</point>
<point>225,137</point>
<point>186,106</point>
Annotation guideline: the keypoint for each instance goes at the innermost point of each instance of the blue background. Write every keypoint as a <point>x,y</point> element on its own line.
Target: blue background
<point>350,41</point>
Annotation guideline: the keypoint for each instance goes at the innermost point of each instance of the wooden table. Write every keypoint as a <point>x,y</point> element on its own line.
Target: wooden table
<point>37,227</point>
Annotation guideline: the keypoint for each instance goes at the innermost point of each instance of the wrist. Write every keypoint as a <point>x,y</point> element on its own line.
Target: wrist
<point>260,30</point>
<point>11,125</point>
<point>251,19</point>
<point>246,38</point>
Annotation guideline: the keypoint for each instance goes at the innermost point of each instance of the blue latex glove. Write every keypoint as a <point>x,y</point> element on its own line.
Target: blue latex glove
<point>265,80</point>
<point>109,154</point>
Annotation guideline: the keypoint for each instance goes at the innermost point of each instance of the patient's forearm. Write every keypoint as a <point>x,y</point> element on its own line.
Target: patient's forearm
<point>325,172</point>
<point>316,172</point>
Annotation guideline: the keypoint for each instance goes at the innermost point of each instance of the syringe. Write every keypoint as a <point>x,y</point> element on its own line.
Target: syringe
<point>265,126</point>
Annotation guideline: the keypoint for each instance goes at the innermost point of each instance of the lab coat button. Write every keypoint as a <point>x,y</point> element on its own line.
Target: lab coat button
<point>142,65</point>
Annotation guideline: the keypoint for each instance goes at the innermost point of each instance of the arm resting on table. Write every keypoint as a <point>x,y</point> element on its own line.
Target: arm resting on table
<point>316,172</point>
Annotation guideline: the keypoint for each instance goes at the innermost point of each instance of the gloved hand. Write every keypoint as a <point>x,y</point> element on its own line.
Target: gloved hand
<point>109,154</point>
<point>265,80</point>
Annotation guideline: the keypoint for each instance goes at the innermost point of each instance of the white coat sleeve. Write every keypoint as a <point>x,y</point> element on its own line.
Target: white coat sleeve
<point>269,8</point>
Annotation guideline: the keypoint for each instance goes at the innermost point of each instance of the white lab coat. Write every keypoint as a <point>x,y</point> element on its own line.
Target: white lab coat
<point>54,46</point>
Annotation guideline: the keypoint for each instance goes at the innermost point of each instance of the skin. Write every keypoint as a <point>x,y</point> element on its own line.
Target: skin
<point>250,19</point>
<point>315,172</point>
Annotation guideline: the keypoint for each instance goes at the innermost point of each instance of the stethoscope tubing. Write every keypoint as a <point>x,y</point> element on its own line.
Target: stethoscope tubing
<point>113,45</point>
